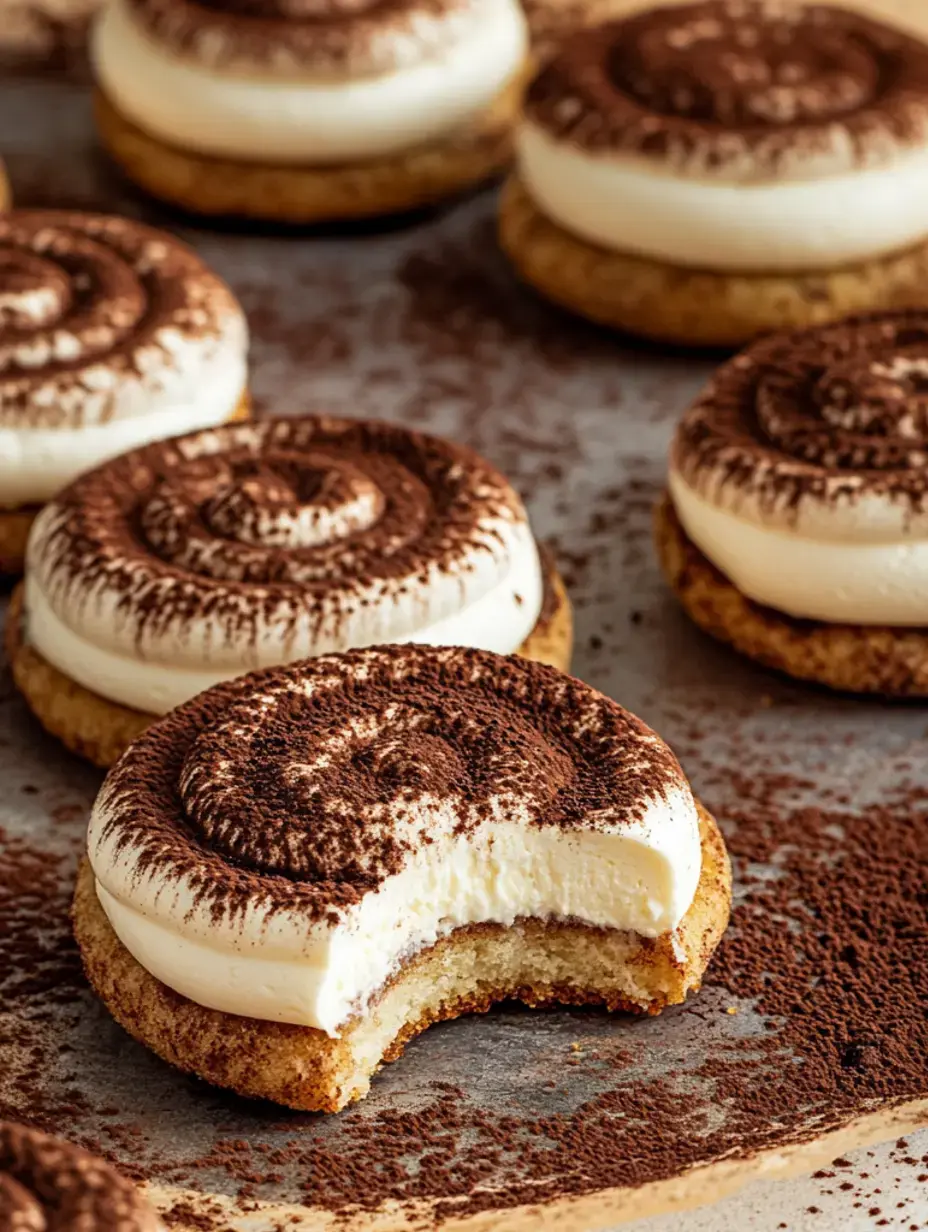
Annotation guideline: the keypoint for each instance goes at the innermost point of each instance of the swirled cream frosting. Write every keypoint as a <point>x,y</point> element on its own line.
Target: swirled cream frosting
<point>112,334</point>
<point>330,82</point>
<point>278,847</point>
<point>193,560</point>
<point>800,472</point>
<point>734,135</point>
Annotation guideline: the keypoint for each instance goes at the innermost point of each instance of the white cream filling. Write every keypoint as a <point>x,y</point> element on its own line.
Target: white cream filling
<point>108,660</point>
<point>631,205</point>
<point>836,580</point>
<point>35,463</point>
<point>275,967</point>
<point>269,119</point>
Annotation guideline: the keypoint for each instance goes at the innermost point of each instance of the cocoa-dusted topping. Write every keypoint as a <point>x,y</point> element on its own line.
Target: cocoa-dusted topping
<point>304,787</point>
<point>321,37</point>
<point>94,311</point>
<point>310,523</point>
<point>740,88</point>
<point>47,1185</point>
<point>47,37</point>
<point>829,415</point>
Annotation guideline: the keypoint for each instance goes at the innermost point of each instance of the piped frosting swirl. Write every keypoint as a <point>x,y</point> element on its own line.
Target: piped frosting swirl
<point>277,846</point>
<point>306,786</point>
<point>816,424</point>
<point>739,88</point>
<point>47,1185</point>
<point>104,319</point>
<point>250,545</point>
<point>327,38</point>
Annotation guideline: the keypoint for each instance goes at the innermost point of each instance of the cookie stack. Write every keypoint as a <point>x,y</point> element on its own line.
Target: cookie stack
<point>352,789</point>
<point>344,110</point>
<point>186,563</point>
<point>686,173</point>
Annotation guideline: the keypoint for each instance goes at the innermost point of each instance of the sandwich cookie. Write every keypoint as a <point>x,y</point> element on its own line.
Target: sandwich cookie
<point>111,335</point>
<point>295,873</point>
<point>47,1185</point>
<point>196,559</point>
<point>306,113</point>
<point>686,173</point>
<point>796,523</point>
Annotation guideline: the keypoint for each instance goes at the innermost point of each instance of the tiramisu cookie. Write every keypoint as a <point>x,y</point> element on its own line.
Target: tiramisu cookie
<point>309,112</point>
<point>686,173</point>
<point>111,335</point>
<point>193,560</point>
<point>296,872</point>
<point>797,522</point>
<point>47,1185</point>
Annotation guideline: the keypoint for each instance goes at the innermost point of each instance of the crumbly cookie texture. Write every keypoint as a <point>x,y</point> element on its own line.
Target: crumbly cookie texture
<point>851,658</point>
<point>87,724</point>
<point>306,195</point>
<point>101,730</point>
<point>537,962</point>
<point>694,307</point>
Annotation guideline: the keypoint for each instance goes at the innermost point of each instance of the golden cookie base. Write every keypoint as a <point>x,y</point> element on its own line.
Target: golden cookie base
<point>220,187</point>
<point>100,730</point>
<point>694,307</point>
<point>465,972</point>
<point>552,639</point>
<point>851,658</point>
<point>15,525</point>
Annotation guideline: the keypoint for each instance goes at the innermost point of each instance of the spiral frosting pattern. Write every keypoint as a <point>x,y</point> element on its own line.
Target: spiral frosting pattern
<point>46,1185</point>
<point>740,86</point>
<point>800,472</point>
<point>323,37</point>
<point>251,545</point>
<point>103,319</point>
<point>302,789</point>
<point>828,416</point>
<point>282,844</point>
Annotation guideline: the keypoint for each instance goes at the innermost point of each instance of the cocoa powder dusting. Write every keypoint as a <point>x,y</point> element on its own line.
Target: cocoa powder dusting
<point>821,800</point>
<point>286,530</point>
<point>96,312</point>
<point>828,956</point>
<point>225,794</point>
<point>342,38</point>
<point>740,88</point>
<point>831,416</point>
